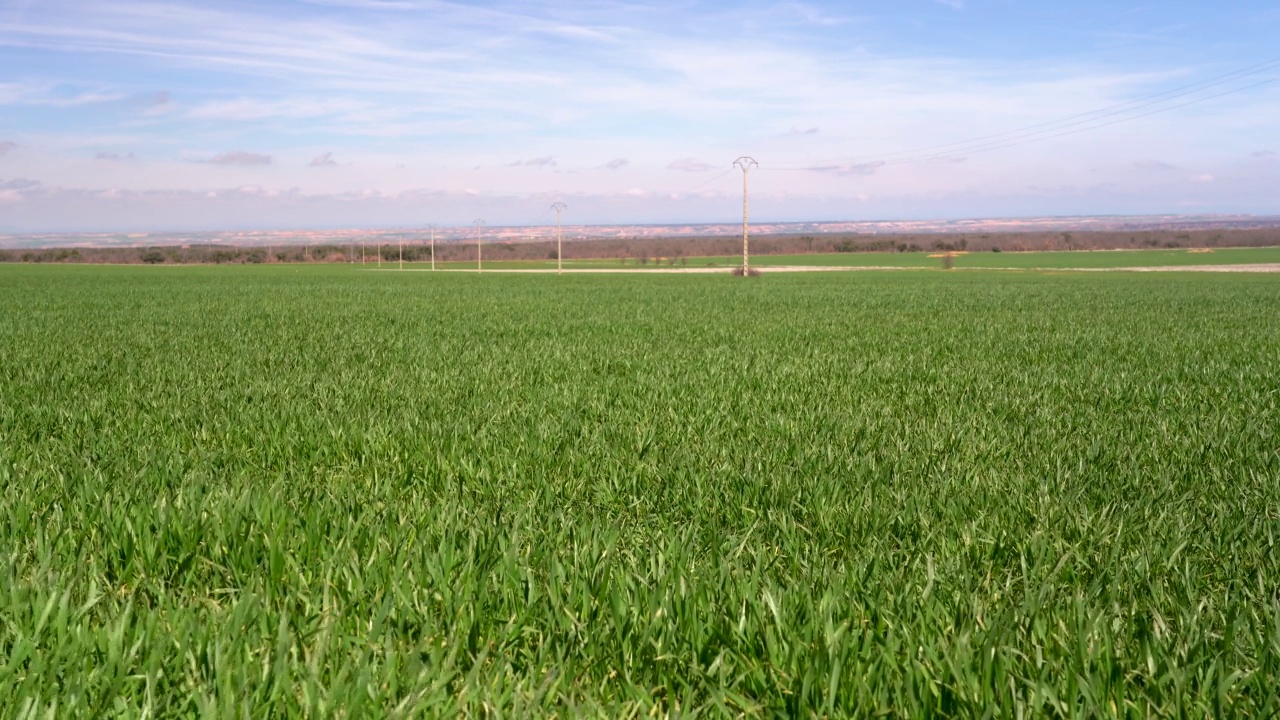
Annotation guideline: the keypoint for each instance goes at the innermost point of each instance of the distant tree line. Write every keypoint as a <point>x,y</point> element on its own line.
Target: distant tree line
<point>670,251</point>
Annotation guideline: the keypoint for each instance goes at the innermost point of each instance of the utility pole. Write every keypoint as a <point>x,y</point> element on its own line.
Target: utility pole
<point>559,208</point>
<point>401,252</point>
<point>746,163</point>
<point>433,247</point>
<point>479,263</point>
<point>362,250</point>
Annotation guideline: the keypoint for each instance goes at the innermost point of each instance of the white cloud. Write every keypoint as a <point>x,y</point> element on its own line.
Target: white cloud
<point>323,160</point>
<point>1203,178</point>
<point>953,4</point>
<point>616,164</point>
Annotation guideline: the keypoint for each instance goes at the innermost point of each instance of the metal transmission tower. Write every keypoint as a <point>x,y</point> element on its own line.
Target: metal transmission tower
<point>433,246</point>
<point>479,261</point>
<point>746,163</point>
<point>559,208</point>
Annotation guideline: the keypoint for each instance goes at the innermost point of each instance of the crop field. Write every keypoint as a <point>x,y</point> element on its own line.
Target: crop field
<point>273,491</point>
<point>1100,259</point>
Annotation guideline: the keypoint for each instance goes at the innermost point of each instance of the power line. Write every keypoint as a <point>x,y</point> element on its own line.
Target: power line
<point>703,184</point>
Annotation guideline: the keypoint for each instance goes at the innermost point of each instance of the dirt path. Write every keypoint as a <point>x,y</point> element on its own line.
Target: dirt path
<point>667,270</point>
<point>1250,268</point>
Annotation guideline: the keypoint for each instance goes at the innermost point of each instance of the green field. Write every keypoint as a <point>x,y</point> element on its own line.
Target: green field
<point>269,491</point>
<point>1099,259</point>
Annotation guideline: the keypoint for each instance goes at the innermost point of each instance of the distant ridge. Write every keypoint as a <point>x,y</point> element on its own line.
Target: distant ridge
<point>1103,223</point>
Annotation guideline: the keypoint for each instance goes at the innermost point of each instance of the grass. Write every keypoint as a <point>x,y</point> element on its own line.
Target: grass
<point>286,491</point>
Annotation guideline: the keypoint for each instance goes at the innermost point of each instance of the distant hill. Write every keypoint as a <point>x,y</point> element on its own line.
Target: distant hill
<point>517,234</point>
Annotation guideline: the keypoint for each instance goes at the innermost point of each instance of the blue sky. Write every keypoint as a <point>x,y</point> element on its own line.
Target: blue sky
<point>151,115</point>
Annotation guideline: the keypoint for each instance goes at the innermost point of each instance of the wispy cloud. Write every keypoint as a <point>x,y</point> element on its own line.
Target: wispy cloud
<point>239,157</point>
<point>19,184</point>
<point>809,14</point>
<point>154,104</point>
<point>690,165</point>
<point>545,161</point>
<point>953,4</point>
<point>849,169</point>
<point>112,157</point>
<point>247,109</point>
<point>1157,165</point>
<point>7,146</point>
<point>638,82</point>
<point>55,94</point>
<point>1265,155</point>
<point>577,32</point>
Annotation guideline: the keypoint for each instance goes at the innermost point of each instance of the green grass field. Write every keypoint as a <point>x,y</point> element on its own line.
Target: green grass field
<point>285,491</point>
<point>1101,259</point>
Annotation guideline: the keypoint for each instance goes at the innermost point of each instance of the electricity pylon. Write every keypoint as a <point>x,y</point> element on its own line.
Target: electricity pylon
<point>559,208</point>
<point>746,163</point>
<point>433,247</point>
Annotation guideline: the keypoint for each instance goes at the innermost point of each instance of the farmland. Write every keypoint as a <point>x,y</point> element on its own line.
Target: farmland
<point>1095,260</point>
<point>284,490</point>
